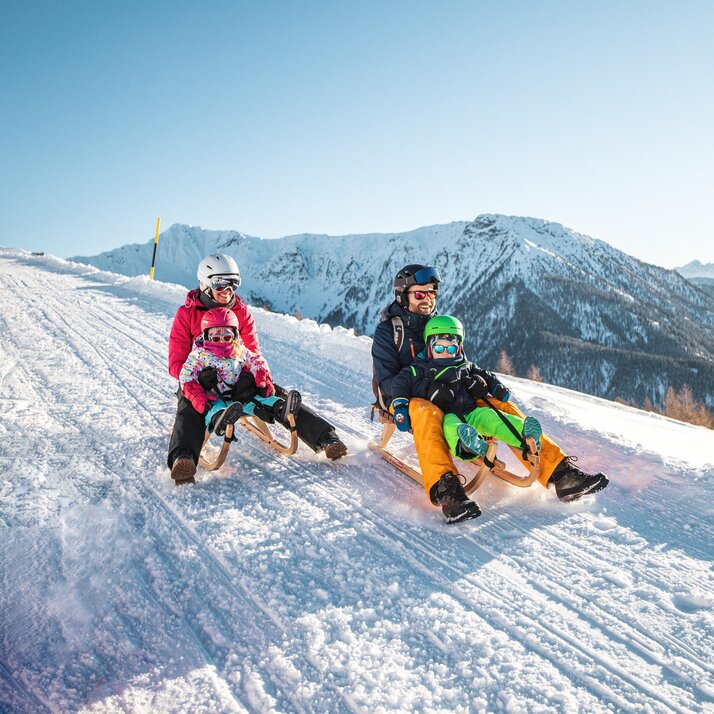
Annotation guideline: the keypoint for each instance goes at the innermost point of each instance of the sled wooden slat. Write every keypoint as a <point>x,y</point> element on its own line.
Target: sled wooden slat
<point>482,470</point>
<point>254,426</point>
<point>218,461</point>
<point>380,448</point>
<point>260,429</point>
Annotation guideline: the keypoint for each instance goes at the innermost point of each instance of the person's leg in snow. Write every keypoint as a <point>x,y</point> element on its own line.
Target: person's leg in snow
<point>186,441</point>
<point>441,482</point>
<point>556,467</point>
<point>550,453</point>
<point>456,506</point>
<point>316,432</point>
<point>465,438</point>
<point>571,483</point>
<point>221,415</point>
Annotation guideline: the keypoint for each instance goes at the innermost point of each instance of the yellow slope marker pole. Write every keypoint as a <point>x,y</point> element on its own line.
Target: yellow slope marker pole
<point>156,243</point>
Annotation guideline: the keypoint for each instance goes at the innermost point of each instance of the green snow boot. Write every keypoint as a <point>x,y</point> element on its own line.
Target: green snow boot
<point>532,427</point>
<point>471,443</point>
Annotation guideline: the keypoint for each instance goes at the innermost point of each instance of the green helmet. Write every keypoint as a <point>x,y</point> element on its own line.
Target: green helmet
<point>443,325</point>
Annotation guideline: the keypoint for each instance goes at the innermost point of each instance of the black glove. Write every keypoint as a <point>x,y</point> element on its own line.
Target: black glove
<point>441,394</point>
<point>208,378</point>
<point>476,386</point>
<point>501,392</point>
<point>244,388</point>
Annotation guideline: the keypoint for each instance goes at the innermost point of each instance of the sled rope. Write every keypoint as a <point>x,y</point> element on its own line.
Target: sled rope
<point>511,428</point>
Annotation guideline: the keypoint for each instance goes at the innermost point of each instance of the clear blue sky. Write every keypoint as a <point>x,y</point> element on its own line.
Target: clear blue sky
<point>275,118</point>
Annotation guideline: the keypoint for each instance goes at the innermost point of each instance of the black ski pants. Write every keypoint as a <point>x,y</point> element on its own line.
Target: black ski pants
<point>190,428</point>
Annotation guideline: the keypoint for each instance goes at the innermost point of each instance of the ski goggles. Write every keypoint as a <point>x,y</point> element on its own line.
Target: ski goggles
<point>426,275</point>
<point>221,282</point>
<point>421,294</point>
<point>222,335</point>
<point>449,349</point>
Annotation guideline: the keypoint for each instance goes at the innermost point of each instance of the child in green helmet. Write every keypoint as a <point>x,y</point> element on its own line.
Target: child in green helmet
<point>442,374</point>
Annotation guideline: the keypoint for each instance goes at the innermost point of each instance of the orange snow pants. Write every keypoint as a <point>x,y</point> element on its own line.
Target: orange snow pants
<point>435,456</point>
<point>550,453</point>
<point>431,447</point>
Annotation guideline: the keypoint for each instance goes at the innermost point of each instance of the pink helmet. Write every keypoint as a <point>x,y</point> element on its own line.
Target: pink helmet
<point>219,317</point>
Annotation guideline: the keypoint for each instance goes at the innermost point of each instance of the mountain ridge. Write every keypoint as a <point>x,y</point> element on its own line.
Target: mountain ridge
<point>587,315</point>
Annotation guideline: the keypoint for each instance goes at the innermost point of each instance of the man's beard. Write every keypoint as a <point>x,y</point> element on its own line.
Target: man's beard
<point>426,308</point>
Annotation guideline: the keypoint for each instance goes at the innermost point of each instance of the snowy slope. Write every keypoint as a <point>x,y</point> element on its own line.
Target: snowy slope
<point>294,585</point>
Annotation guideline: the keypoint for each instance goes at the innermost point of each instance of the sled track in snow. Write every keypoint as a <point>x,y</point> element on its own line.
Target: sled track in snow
<point>645,643</point>
<point>554,643</point>
<point>552,646</point>
<point>226,588</point>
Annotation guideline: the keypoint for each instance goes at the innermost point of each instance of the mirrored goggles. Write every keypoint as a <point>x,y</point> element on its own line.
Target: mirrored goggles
<point>222,282</point>
<point>421,294</point>
<point>449,349</point>
<point>426,275</point>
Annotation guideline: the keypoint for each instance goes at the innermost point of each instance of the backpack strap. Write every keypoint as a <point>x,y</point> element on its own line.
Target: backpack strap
<point>398,328</point>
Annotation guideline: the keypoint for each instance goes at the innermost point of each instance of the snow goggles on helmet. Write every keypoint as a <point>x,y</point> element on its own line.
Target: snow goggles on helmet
<point>426,275</point>
<point>449,349</point>
<point>221,282</point>
<point>421,294</point>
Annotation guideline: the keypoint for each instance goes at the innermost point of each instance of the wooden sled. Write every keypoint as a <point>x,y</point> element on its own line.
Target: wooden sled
<point>255,426</point>
<point>484,466</point>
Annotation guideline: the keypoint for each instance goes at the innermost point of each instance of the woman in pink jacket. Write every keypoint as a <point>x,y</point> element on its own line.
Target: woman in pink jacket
<point>218,279</point>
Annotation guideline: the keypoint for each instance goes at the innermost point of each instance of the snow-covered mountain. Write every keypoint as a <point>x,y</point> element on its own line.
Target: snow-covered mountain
<point>587,315</point>
<point>295,585</point>
<point>699,274</point>
<point>696,269</point>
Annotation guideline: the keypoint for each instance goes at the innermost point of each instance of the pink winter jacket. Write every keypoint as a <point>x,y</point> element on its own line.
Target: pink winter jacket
<point>187,327</point>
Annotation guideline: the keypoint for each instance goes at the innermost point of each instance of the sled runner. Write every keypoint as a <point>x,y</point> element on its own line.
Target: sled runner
<point>256,426</point>
<point>487,464</point>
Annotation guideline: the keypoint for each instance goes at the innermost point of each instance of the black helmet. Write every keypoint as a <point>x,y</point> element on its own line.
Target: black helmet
<point>413,275</point>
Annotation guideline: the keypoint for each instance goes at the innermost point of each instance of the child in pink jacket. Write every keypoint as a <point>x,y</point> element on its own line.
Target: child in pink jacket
<point>239,371</point>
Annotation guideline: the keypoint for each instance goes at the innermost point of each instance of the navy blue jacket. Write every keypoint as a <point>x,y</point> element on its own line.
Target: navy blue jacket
<point>418,379</point>
<point>386,360</point>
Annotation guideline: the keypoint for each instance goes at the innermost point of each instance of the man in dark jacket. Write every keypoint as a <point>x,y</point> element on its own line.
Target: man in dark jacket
<point>398,339</point>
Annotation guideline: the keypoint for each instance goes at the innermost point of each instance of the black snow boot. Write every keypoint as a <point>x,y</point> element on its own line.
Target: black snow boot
<point>332,446</point>
<point>448,493</point>
<point>183,468</point>
<point>290,405</point>
<point>230,415</point>
<point>287,403</point>
<point>571,483</point>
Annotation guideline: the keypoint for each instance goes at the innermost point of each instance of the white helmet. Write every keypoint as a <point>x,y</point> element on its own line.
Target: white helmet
<point>217,266</point>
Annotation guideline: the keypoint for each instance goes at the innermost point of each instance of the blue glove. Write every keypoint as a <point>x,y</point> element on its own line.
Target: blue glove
<point>401,414</point>
<point>502,393</point>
